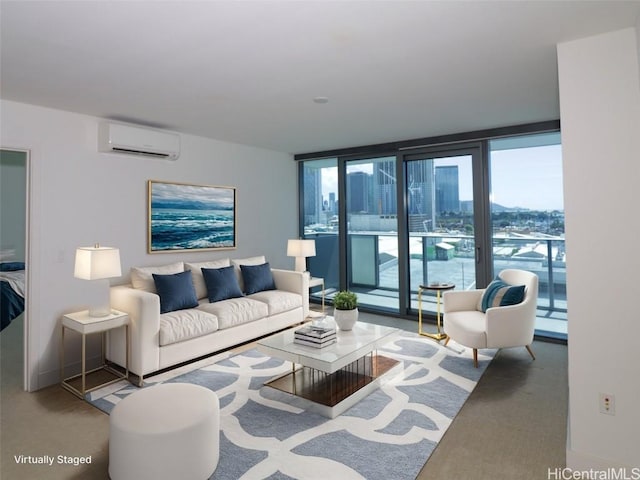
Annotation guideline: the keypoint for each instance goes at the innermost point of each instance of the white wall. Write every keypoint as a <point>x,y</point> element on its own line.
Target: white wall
<point>600,117</point>
<point>638,43</point>
<point>80,197</point>
<point>12,205</point>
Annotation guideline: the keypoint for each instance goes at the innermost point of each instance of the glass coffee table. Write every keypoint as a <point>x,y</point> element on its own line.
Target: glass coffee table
<point>333,378</point>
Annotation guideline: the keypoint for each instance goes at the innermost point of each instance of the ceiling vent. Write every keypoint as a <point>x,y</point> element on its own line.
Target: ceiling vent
<point>140,141</point>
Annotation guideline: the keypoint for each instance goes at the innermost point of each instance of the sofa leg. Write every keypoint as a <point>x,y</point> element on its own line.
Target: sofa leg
<point>530,351</point>
<point>475,357</point>
<point>447,341</point>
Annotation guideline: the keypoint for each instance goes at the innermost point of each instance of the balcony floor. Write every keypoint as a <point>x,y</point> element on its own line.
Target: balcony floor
<point>549,323</point>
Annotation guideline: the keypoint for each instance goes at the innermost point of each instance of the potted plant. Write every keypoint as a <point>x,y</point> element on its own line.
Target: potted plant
<point>345,311</point>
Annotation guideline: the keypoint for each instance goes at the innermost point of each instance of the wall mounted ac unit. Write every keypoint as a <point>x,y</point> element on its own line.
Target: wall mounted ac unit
<point>130,140</point>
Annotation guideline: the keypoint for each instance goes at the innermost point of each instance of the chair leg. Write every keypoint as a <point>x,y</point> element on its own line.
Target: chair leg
<point>530,351</point>
<point>447,341</point>
<point>475,357</point>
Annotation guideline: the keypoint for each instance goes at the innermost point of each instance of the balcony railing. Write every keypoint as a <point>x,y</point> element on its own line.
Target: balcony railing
<point>440,257</point>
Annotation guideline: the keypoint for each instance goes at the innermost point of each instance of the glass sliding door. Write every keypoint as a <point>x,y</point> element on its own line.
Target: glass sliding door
<point>372,231</point>
<point>457,212</point>
<point>527,218</point>
<point>441,223</point>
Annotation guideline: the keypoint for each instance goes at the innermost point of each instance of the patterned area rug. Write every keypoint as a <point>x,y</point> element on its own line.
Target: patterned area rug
<point>265,434</point>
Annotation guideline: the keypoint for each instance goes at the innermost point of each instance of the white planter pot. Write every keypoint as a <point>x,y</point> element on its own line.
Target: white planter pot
<point>345,319</point>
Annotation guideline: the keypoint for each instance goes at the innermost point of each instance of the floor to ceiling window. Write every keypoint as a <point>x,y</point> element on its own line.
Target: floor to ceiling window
<point>455,211</point>
<point>319,210</point>
<point>372,231</point>
<point>527,218</point>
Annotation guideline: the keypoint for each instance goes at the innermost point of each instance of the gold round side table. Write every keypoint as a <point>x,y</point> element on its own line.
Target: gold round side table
<point>438,288</point>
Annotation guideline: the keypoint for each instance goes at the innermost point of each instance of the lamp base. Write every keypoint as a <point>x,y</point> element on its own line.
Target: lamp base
<point>301,264</point>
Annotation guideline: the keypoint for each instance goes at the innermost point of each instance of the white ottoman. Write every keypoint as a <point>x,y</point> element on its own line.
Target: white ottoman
<point>168,431</point>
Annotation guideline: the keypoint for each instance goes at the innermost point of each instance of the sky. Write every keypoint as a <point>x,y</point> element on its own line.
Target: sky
<point>529,178</point>
<point>525,177</point>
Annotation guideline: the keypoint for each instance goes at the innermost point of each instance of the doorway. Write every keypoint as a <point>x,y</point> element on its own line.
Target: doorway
<point>14,249</point>
<point>447,243</point>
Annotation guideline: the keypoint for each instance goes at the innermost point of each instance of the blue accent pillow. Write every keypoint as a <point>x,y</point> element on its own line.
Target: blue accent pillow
<point>222,283</point>
<point>176,291</point>
<point>11,266</point>
<point>499,294</point>
<point>257,278</point>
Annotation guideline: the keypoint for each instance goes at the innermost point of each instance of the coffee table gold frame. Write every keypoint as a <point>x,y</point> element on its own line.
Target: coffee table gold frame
<point>438,288</point>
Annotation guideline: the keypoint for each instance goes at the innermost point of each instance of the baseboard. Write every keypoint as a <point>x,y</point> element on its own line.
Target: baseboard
<point>46,379</point>
<point>52,377</point>
<point>579,462</point>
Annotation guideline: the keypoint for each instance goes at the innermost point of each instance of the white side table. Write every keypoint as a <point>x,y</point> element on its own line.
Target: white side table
<point>82,323</point>
<point>317,282</point>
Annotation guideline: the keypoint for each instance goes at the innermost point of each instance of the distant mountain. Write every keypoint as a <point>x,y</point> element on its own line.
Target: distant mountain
<point>496,207</point>
<point>467,206</point>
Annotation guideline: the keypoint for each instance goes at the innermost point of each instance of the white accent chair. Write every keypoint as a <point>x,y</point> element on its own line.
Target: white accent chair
<point>499,327</point>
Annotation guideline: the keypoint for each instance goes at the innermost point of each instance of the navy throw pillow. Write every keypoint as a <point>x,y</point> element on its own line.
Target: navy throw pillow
<point>499,294</point>
<point>257,278</point>
<point>176,291</point>
<point>11,266</point>
<point>222,283</point>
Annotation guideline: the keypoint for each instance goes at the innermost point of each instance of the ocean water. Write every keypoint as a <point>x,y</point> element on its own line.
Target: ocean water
<point>180,229</point>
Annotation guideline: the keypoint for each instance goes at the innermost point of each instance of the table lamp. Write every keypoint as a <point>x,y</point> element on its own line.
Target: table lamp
<point>98,263</point>
<point>301,249</point>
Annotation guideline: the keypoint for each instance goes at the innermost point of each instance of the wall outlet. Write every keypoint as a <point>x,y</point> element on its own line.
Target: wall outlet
<point>607,404</point>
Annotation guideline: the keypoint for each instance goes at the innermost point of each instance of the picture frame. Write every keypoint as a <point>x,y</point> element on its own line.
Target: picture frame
<point>188,217</point>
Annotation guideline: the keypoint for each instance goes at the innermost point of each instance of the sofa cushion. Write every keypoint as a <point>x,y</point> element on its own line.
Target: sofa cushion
<point>278,301</point>
<point>142,277</point>
<point>185,324</point>
<point>176,291</point>
<point>198,280</point>
<point>236,311</point>
<point>222,283</point>
<point>257,278</point>
<point>259,260</point>
<point>499,294</point>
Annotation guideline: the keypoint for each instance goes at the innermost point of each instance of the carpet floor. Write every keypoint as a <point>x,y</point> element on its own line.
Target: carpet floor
<point>266,433</point>
<point>513,426</point>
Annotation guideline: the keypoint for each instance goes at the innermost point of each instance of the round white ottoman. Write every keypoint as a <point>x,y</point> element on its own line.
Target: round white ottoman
<point>168,431</point>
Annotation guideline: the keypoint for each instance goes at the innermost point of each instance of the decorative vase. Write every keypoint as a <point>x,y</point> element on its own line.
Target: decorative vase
<point>345,319</point>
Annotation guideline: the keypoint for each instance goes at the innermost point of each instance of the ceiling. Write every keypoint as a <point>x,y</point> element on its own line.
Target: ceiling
<point>247,71</point>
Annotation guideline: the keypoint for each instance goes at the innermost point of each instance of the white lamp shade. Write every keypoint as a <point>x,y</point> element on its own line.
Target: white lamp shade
<point>301,248</point>
<point>93,263</point>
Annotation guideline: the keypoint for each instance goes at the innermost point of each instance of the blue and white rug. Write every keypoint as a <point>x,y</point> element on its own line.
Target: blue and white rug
<point>264,434</point>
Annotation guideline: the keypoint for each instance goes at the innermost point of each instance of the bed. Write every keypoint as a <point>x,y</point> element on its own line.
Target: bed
<point>11,292</point>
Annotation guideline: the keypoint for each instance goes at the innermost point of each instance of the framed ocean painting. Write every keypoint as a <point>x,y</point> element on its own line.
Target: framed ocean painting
<point>190,217</point>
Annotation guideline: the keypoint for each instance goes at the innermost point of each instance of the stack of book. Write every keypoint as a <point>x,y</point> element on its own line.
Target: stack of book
<point>315,336</point>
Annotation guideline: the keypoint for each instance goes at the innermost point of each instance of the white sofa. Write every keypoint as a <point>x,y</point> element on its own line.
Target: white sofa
<point>161,340</point>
